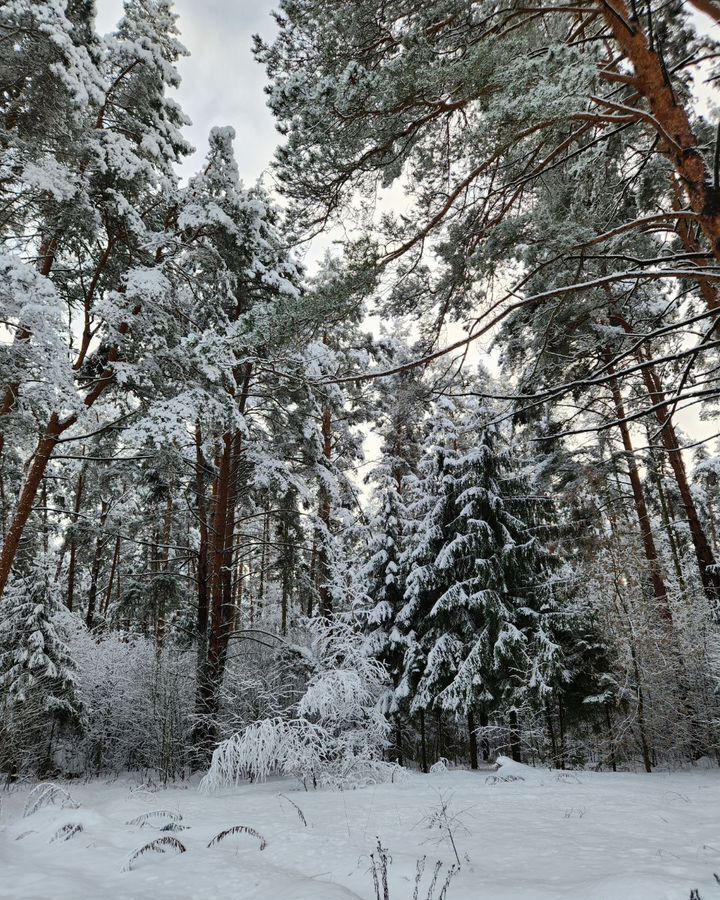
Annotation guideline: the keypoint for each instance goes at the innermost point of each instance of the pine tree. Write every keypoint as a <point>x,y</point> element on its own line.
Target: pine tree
<point>114,206</point>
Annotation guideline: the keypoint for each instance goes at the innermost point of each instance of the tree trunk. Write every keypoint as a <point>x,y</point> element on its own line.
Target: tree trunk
<point>678,142</point>
<point>473,740</point>
<point>703,552</point>
<point>323,561</point>
<point>164,560</point>
<point>220,568</point>
<point>398,742</point>
<point>216,655</point>
<point>515,747</point>
<point>286,575</point>
<point>657,471</point>
<point>709,7</point>
<point>95,567</point>
<point>202,563</point>
<point>484,742</point>
<point>642,727</point>
<point>264,544</point>
<point>641,511</point>
<point>551,735</point>
<point>239,577</point>
<point>113,569</point>
<point>43,452</point>
<point>611,736</point>
<point>70,601</point>
<point>313,576</point>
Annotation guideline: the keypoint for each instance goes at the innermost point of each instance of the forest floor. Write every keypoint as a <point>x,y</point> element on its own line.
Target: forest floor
<point>547,834</point>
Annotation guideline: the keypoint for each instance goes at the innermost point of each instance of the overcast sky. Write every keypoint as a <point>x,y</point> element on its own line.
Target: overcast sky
<point>221,82</point>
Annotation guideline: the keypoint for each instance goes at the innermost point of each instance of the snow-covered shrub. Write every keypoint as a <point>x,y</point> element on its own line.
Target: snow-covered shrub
<point>440,767</point>
<point>288,746</point>
<point>257,684</point>
<point>333,736</point>
<point>138,704</point>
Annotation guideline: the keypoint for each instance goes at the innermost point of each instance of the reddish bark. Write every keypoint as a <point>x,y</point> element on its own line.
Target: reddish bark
<point>709,7</point>
<point>678,141</point>
<point>43,453</point>
<point>641,510</point>
<point>703,551</point>
<point>221,545</point>
<point>202,565</point>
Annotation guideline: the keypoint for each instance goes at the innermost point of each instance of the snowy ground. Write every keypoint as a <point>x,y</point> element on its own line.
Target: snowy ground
<point>551,835</point>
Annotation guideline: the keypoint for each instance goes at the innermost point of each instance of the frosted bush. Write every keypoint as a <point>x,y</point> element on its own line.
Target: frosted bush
<point>139,704</point>
<point>333,737</point>
<point>271,746</point>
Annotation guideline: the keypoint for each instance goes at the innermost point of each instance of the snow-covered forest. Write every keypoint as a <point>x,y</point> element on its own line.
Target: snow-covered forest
<point>399,462</point>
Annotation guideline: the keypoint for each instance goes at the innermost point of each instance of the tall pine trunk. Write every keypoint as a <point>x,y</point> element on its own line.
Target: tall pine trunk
<point>641,510</point>
<point>515,745</point>
<point>220,554</point>
<point>651,81</point>
<point>96,564</point>
<point>36,471</point>
<point>703,551</point>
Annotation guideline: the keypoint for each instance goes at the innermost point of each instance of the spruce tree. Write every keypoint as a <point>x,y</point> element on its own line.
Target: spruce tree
<point>478,599</point>
<point>390,527</point>
<point>38,697</point>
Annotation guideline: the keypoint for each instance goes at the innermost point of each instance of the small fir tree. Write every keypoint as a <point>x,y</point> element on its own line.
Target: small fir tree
<point>37,672</point>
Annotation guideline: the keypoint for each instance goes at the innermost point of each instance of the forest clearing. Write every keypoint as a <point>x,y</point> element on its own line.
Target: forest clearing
<point>545,835</point>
